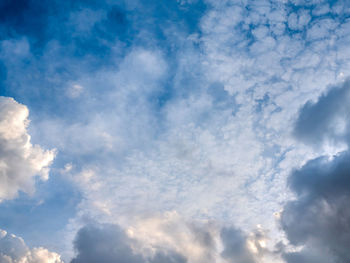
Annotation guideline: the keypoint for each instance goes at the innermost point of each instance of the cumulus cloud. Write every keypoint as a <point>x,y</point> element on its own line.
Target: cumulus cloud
<point>175,110</point>
<point>20,161</point>
<point>169,238</point>
<point>327,119</point>
<point>103,244</point>
<point>319,218</point>
<point>218,141</point>
<point>14,250</point>
<point>110,244</point>
<point>236,249</point>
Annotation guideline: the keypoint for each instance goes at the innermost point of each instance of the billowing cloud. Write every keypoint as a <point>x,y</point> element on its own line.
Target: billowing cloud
<point>14,250</point>
<point>327,120</point>
<point>20,161</point>
<point>210,134</point>
<point>103,244</point>
<point>169,239</point>
<point>319,218</point>
<point>235,247</point>
<point>109,243</point>
<point>177,105</point>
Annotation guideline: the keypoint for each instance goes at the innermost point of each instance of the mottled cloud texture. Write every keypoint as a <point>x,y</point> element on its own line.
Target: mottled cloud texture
<point>193,131</point>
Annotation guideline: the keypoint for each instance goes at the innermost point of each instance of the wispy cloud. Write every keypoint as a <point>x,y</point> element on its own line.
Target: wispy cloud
<point>205,108</point>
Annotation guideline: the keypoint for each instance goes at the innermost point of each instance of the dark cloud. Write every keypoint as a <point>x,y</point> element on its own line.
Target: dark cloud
<point>323,120</point>
<point>319,218</point>
<point>109,244</point>
<point>235,246</point>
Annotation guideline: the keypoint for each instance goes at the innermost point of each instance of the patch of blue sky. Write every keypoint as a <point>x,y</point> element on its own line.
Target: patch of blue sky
<point>48,210</point>
<point>157,94</point>
<point>72,52</point>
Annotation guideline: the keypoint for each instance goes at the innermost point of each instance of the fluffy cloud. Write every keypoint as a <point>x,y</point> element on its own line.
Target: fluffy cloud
<point>218,144</point>
<point>103,244</point>
<point>108,243</point>
<point>235,247</point>
<point>319,218</point>
<point>14,250</point>
<point>170,238</point>
<point>325,121</point>
<point>20,161</point>
<point>193,116</point>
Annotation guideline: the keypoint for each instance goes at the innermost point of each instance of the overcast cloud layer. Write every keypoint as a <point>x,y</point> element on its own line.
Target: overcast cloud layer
<point>174,131</point>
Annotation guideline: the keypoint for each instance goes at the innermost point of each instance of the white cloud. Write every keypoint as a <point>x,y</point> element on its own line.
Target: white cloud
<point>170,238</point>
<point>223,155</point>
<point>20,161</point>
<point>14,250</point>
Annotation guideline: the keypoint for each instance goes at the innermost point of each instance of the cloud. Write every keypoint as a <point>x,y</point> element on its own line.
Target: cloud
<point>169,238</point>
<point>74,91</point>
<point>109,243</point>
<point>318,219</point>
<point>182,105</point>
<point>103,244</point>
<point>210,138</point>
<point>20,161</point>
<point>235,247</point>
<point>194,240</point>
<point>14,250</point>
<point>327,119</point>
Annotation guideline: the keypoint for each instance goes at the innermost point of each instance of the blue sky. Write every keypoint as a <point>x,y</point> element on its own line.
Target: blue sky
<point>174,131</point>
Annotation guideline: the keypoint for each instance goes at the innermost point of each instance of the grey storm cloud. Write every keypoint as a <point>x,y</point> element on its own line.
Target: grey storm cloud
<point>319,217</point>
<point>109,244</point>
<point>328,118</point>
<point>235,249</point>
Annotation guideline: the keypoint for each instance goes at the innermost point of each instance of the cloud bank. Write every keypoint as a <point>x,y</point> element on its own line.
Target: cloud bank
<point>319,217</point>
<point>170,238</point>
<point>109,243</point>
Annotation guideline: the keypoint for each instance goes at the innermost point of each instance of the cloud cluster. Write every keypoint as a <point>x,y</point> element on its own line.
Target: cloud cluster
<point>167,239</point>
<point>108,243</point>
<point>179,105</point>
<point>14,250</point>
<point>211,135</point>
<point>20,161</point>
<point>319,218</point>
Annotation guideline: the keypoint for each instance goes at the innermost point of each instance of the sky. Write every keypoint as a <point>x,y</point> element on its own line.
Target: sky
<point>174,131</point>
